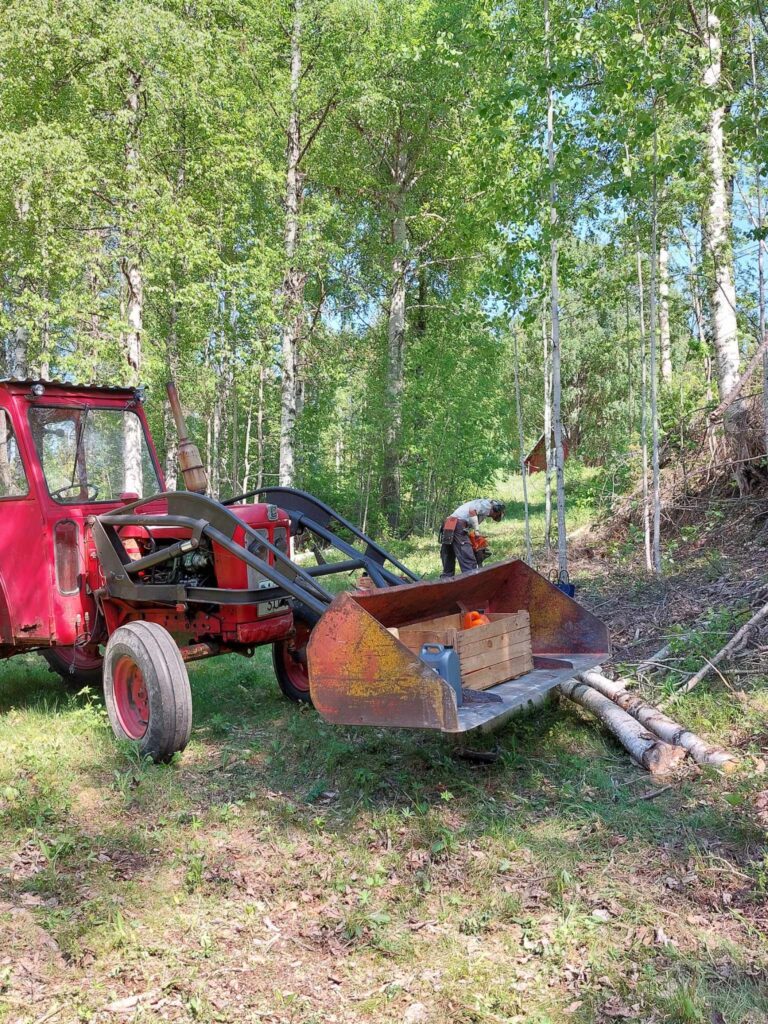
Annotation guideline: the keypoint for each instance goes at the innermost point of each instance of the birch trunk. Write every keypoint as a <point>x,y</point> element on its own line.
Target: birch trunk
<point>654,382</point>
<point>18,356</point>
<point>630,370</point>
<point>19,349</point>
<point>665,341</point>
<point>547,442</point>
<point>644,747</point>
<point>390,488</point>
<point>717,227</point>
<point>260,431</point>
<point>760,251</point>
<point>654,720</point>
<point>562,540</point>
<point>644,415</point>
<point>133,287</point>
<point>698,311</point>
<point>169,425</point>
<point>243,485</point>
<point>521,443</point>
<point>294,279</point>
<point>761,302</point>
<point>215,476</point>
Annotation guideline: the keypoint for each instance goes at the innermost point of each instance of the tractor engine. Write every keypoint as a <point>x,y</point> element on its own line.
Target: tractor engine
<point>190,569</point>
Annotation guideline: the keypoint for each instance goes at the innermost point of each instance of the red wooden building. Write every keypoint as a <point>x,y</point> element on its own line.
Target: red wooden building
<point>536,459</point>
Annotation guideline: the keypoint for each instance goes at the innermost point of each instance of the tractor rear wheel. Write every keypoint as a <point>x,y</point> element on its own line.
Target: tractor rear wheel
<point>289,658</point>
<point>75,666</point>
<point>146,689</point>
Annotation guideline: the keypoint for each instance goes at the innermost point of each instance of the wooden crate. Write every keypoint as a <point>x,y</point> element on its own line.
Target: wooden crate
<point>489,654</point>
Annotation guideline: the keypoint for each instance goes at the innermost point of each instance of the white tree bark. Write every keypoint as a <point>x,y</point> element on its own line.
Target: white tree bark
<point>655,721</point>
<point>133,287</point>
<point>18,355</point>
<point>665,341</point>
<point>260,430</point>
<point>548,450</point>
<point>521,442</point>
<point>295,278</point>
<point>171,436</point>
<point>654,382</point>
<point>562,540</point>
<point>760,250</point>
<point>717,228</point>
<point>390,489</point>
<point>645,748</point>
<point>644,414</point>
<point>19,348</point>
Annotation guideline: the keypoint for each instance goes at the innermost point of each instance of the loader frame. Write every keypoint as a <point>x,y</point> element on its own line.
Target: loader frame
<point>202,517</point>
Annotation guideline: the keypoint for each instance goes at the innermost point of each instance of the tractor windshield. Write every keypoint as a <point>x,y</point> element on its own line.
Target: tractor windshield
<point>92,454</point>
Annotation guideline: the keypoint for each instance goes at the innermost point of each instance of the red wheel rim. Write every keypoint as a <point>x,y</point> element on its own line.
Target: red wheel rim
<point>295,658</point>
<point>131,699</point>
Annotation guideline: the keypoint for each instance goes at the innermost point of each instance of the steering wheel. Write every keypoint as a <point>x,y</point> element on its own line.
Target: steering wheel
<point>91,491</point>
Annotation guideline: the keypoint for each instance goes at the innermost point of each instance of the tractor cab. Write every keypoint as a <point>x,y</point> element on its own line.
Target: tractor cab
<point>66,453</point>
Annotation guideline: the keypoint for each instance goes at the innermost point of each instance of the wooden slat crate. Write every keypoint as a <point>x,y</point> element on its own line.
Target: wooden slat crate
<point>489,654</point>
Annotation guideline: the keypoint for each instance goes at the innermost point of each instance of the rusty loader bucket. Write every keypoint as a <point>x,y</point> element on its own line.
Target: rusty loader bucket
<point>362,673</point>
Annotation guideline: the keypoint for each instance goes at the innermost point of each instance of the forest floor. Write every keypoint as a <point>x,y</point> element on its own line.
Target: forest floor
<point>283,870</point>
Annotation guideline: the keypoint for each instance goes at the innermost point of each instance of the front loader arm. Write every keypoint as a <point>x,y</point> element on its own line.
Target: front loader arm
<point>201,517</point>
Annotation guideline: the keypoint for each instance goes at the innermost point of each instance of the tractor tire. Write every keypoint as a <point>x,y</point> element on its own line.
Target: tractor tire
<point>146,690</point>
<point>76,668</point>
<point>289,658</point>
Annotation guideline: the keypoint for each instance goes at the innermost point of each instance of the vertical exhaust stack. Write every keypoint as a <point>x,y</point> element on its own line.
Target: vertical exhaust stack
<point>190,462</point>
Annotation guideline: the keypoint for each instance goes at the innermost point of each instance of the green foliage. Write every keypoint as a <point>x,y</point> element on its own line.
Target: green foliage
<point>190,188</point>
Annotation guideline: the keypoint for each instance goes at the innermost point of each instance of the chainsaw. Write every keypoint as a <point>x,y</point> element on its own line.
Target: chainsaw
<point>479,546</point>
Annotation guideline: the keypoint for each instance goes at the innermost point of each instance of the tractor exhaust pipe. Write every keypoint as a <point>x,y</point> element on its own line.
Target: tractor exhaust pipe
<point>190,462</point>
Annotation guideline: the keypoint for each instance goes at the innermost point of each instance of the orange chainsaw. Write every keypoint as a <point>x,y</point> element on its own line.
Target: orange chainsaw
<point>479,546</point>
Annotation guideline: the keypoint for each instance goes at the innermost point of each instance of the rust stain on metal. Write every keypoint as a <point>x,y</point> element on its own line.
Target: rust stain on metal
<point>360,674</point>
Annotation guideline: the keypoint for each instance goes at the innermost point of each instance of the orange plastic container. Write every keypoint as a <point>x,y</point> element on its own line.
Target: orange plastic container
<point>472,619</point>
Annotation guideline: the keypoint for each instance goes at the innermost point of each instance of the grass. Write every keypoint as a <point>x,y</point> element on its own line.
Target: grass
<point>284,870</point>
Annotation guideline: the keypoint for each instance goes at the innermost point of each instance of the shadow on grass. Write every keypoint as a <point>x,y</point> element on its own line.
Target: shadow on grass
<point>562,803</point>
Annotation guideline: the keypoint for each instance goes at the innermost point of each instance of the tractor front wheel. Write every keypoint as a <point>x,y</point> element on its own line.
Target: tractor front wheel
<point>76,666</point>
<point>146,689</point>
<point>289,658</point>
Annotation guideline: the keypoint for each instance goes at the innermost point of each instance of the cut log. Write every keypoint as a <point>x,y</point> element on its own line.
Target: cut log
<point>732,645</point>
<point>657,722</point>
<point>645,748</point>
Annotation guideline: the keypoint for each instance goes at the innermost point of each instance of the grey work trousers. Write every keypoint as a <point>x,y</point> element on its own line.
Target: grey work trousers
<point>460,549</point>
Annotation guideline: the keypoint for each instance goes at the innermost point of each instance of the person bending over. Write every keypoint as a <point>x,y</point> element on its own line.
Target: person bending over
<point>459,539</point>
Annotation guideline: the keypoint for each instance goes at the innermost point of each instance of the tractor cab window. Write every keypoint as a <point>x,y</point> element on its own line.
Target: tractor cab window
<point>91,454</point>
<point>13,479</point>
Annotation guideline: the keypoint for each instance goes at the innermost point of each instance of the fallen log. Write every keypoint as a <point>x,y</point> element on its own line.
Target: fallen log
<point>721,655</point>
<point>644,747</point>
<point>658,723</point>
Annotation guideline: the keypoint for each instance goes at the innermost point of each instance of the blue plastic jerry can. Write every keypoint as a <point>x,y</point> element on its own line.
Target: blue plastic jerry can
<point>445,661</point>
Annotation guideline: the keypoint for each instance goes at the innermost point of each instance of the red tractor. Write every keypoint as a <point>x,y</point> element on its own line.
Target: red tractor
<point>127,581</point>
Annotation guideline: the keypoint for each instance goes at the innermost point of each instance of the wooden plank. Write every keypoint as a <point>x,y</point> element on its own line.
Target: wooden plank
<point>469,648</point>
<point>441,622</point>
<point>496,657</point>
<point>499,673</point>
<point>498,627</point>
<point>414,639</point>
